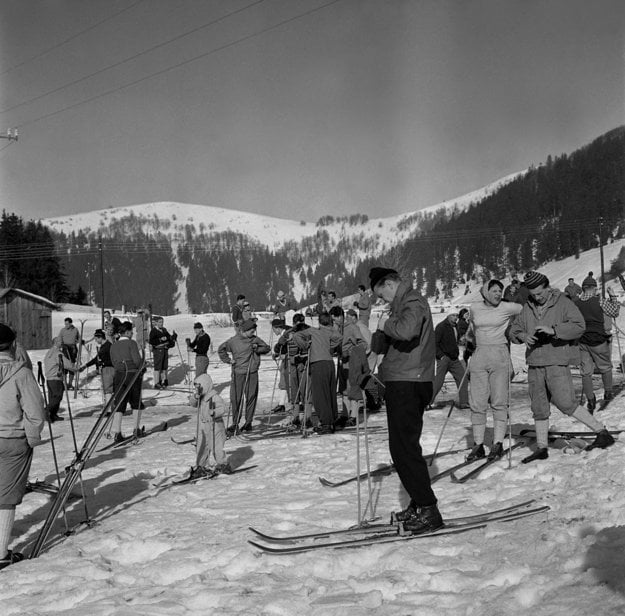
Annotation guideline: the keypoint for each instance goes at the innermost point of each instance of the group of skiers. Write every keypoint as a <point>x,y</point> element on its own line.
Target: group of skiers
<point>558,330</point>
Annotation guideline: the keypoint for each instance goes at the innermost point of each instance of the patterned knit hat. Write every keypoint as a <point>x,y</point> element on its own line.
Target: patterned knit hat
<point>533,280</point>
<point>589,281</point>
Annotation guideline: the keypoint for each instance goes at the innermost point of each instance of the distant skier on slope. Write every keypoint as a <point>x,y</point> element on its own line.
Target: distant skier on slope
<point>547,324</point>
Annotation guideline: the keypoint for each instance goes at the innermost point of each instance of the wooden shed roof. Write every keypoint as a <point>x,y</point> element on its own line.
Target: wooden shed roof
<point>31,296</point>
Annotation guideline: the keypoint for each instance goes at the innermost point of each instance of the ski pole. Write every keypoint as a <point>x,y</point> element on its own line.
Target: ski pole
<point>273,391</point>
<point>41,379</point>
<point>79,355</point>
<point>71,423</point>
<point>618,344</point>
<point>451,408</point>
<point>367,456</point>
<point>184,367</point>
<point>358,472</point>
<point>509,418</point>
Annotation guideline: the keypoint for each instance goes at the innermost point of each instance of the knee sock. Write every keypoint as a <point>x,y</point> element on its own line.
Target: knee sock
<point>136,417</point>
<point>606,377</point>
<point>542,433</point>
<point>7,517</point>
<point>499,429</point>
<point>478,433</point>
<point>587,387</point>
<point>581,414</point>
<point>117,423</point>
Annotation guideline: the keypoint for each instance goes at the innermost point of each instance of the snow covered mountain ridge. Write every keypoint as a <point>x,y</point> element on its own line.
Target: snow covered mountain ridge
<point>270,231</point>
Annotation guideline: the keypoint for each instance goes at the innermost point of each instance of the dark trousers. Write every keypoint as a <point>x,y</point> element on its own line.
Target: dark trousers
<point>120,382</point>
<point>323,379</point>
<point>405,403</point>
<point>55,396</point>
<point>244,384</point>
<point>457,369</point>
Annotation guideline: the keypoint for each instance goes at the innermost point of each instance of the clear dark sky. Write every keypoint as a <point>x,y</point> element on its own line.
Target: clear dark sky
<point>362,106</point>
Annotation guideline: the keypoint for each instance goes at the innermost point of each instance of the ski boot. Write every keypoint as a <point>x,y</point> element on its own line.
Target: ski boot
<point>425,520</point>
<point>476,453</point>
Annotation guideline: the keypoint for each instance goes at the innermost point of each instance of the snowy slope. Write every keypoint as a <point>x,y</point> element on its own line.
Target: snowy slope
<point>184,550</point>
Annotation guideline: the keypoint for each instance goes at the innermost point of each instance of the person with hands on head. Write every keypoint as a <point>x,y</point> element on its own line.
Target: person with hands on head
<point>22,418</point>
<point>211,431</point>
<point>490,367</point>
<point>547,325</point>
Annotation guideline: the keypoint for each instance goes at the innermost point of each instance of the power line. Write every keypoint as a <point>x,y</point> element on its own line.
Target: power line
<point>138,247</point>
<point>129,59</point>
<point>67,40</point>
<point>180,64</point>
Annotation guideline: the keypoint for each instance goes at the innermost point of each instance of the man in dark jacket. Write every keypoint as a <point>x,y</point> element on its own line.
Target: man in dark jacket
<point>161,341</point>
<point>200,345</point>
<point>407,372</point>
<point>447,353</point>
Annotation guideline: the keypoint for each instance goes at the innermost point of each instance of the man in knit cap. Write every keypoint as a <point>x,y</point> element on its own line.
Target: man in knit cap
<point>21,421</point>
<point>127,361</point>
<point>200,345</point>
<point>594,345</point>
<point>547,324</point>
<point>407,372</point>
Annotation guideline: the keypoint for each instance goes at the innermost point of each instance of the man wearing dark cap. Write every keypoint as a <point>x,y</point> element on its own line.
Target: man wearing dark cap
<point>407,371</point>
<point>200,345</point>
<point>243,352</point>
<point>161,341</point>
<point>547,324</point>
<point>21,421</point>
<point>594,345</point>
<point>103,361</point>
<point>236,312</point>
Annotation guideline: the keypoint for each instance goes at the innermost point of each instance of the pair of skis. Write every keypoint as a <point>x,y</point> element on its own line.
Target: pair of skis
<point>375,534</point>
<point>189,479</point>
<point>133,439</point>
<point>387,469</point>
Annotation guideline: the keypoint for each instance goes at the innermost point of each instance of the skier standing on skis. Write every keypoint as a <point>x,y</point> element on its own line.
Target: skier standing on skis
<point>243,351</point>
<point>407,371</point>
<point>447,360</point>
<point>69,337</point>
<point>54,377</point>
<point>21,422</point>
<point>491,367</point>
<point>594,345</point>
<point>320,343</point>
<point>547,324</point>
<point>200,345</point>
<point>211,432</point>
<point>103,361</point>
<point>161,341</point>
<point>126,359</point>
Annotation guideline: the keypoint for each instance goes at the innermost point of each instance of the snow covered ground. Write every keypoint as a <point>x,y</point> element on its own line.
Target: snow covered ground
<point>184,550</point>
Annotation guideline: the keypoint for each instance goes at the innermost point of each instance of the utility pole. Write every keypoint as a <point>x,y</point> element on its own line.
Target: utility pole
<point>11,134</point>
<point>101,278</point>
<point>601,256</point>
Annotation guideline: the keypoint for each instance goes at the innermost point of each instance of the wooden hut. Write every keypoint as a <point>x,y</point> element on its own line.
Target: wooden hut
<point>29,315</point>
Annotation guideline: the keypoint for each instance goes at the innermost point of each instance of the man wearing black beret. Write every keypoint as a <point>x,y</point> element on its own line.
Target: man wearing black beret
<point>407,371</point>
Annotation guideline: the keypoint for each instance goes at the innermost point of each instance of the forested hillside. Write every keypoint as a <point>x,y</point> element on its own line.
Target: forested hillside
<point>152,256</point>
